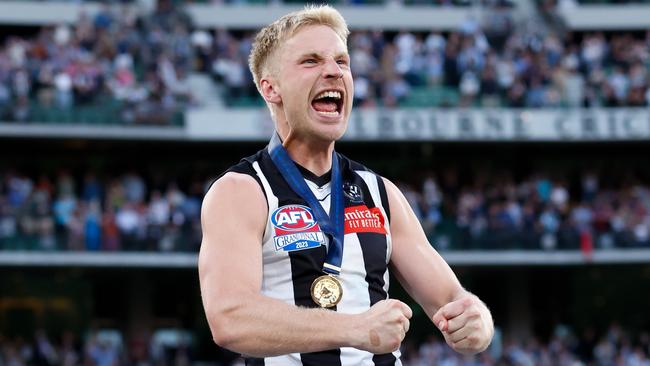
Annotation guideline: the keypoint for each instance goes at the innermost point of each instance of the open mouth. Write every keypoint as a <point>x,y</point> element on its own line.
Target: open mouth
<point>328,103</point>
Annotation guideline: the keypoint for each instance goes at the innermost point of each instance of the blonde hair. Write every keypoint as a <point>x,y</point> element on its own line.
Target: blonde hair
<point>271,37</point>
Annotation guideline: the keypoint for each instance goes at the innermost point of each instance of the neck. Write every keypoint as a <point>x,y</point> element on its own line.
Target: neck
<point>318,161</point>
<point>315,156</point>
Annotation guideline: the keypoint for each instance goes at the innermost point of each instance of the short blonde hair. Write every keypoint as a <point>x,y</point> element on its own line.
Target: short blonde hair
<point>271,37</point>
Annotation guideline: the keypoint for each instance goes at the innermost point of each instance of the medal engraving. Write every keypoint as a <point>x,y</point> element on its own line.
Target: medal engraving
<point>326,291</point>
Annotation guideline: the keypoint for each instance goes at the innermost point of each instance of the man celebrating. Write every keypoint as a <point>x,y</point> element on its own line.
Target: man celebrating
<point>297,239</point>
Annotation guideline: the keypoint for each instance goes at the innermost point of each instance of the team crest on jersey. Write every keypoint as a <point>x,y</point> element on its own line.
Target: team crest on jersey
<point>353,192</point>
<point>296,229</point>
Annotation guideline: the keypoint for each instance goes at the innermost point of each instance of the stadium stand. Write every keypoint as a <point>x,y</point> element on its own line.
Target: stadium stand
<point>490,211</point>
<point>107,69</point>
<point>116,68</point>
<point>615,346</point>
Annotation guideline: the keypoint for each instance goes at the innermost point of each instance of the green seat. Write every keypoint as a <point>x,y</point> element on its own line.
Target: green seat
<point>106,110</point>
<point>430,96</point>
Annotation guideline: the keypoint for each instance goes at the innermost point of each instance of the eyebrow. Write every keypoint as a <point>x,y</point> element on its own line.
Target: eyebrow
<point>317,55</point>
<point>311,55</point>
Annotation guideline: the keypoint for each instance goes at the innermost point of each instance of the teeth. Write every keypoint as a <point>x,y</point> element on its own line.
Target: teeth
<point>329,94</point>
<point>335,113</point>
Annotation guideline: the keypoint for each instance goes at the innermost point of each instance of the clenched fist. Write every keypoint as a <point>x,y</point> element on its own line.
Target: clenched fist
<point>382,328</point>
<point>466,324</point>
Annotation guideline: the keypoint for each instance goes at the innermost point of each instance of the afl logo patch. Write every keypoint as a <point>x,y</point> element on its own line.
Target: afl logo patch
<point>353,192</point>
<point>295,228</point>
<point>293,218</point>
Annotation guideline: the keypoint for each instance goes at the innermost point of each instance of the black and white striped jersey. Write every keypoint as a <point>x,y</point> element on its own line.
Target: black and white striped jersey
<point>294,249</point>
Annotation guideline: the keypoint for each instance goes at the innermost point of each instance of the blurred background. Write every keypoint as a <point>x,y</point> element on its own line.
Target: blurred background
<point>519,131</point>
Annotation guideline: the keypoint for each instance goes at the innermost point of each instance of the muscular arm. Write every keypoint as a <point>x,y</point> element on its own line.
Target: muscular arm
<point>233,219</point>
<point>429,280</point>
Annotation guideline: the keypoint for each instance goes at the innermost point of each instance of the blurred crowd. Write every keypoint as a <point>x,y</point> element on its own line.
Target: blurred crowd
<point>490,210</point>
<point>105,347</point>
<point>138,65</point>
<point>375,2</point>
<point>355,2</point>
<point>614,347</point>
<point>493,210</point>
<point>506,68</point>
<point>486,63</point>
<point>120,213</point>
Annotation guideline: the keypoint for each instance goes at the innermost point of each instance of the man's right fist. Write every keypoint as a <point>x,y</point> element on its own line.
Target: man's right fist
<point>382,328</point>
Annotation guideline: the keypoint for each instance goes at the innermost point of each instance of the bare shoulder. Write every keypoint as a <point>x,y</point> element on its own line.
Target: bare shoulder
<point>405,227</point>
<point>233,187</point>
<point>390,186</point>
<point>396,199</point>
<point>234,197</point>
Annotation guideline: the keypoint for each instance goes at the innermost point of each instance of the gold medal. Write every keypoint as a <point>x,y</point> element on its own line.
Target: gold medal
<point>326,291</point>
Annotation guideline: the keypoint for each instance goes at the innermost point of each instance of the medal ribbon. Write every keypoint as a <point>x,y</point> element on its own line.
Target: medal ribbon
<point>331,224</point>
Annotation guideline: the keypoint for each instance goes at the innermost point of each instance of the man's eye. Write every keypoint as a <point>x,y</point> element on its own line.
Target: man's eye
<point>309,61</point>
<point>342,62</point>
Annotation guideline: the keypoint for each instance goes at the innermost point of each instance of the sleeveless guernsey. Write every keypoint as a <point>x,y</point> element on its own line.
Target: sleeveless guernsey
<point>294,250</point>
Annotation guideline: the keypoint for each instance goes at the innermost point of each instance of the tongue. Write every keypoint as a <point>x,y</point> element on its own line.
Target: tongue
<point>323,105</point>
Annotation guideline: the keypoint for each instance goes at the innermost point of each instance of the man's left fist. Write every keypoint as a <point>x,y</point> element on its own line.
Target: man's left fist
<point>466,324</point>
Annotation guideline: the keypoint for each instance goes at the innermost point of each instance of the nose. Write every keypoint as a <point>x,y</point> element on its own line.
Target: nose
<point>332,70</point>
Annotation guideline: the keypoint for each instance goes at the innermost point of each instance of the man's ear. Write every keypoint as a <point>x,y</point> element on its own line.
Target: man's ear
<point>270,91</point>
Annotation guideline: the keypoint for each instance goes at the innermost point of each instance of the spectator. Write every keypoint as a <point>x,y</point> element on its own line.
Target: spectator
<point>92,226</point>
<point>489,211</point>
<point>128,222</point>
<point>488,61</point>
<point>45,353</point>
<point>110,231</point>
<point>564,347</point>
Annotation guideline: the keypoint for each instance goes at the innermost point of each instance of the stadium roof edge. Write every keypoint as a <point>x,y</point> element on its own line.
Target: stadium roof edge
<point>389,17</point>
<point>604,17</point>
<point>190,260</point>
<point>116,132</point>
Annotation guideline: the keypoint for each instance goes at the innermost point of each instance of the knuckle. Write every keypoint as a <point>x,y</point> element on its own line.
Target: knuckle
<point>472,339</point>
<point>477,326</point>
<point>394,345</point>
